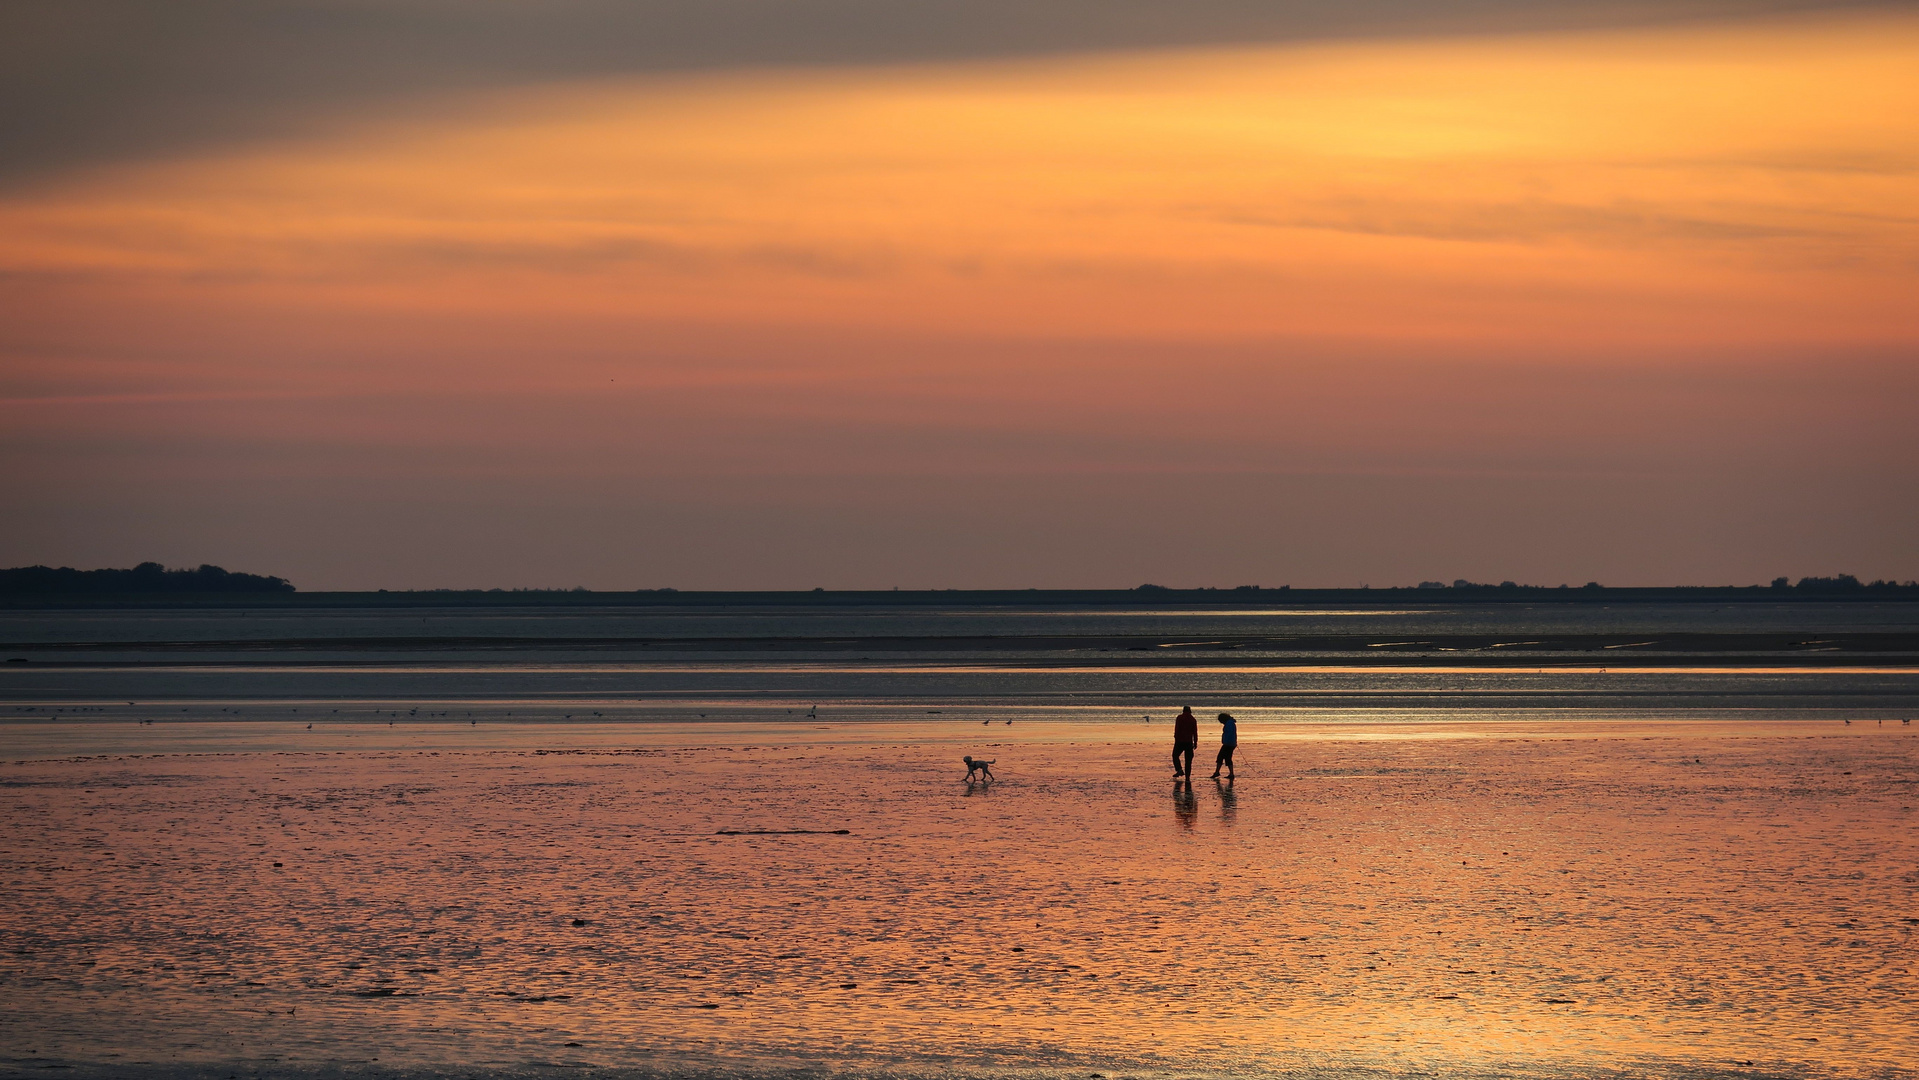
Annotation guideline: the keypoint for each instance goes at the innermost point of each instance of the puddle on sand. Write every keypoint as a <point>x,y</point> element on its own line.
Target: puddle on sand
<point>1557,906</point>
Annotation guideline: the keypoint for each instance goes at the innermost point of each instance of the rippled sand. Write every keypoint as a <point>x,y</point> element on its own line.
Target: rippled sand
<point>1680,900</point>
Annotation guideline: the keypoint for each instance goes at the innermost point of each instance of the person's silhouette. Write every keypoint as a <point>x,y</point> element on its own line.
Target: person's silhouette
<point>1185,738</point>
<point>1228,742</point>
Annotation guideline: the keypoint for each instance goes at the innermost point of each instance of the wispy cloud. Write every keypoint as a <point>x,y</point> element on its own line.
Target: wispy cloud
<point>1626,225</point>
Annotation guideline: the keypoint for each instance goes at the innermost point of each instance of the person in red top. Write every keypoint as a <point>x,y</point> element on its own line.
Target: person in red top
<point>1185,738</point>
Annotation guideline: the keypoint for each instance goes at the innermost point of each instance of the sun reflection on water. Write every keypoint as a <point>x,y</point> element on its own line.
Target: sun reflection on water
<point>1551,904</point>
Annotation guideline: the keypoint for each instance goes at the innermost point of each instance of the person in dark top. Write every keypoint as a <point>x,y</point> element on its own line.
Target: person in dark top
<point>1185,738</point>
<point>1228,739</point>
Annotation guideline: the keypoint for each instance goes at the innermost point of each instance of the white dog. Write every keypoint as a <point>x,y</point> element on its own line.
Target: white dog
<point>977,765</point>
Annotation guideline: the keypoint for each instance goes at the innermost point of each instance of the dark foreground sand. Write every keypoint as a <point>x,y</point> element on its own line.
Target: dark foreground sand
<point>1684,900</point>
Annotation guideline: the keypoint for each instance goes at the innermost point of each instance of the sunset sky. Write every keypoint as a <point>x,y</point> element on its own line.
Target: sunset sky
<point>963,294</point>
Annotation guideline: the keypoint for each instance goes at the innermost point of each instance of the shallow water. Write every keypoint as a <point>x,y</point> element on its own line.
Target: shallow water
<point>1582,844</point>
<point>310,624</point>
<point>1786,661</point>
<point>1513,898</point>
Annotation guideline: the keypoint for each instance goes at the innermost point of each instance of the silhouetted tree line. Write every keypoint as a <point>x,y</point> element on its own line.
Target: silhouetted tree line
<point>1843,583</point>
<point>148,577</point>
<point>1462,583</point>
<point>1151,588</point>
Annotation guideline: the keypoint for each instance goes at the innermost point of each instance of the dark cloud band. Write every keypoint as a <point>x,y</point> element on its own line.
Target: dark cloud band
<point>89,81</point>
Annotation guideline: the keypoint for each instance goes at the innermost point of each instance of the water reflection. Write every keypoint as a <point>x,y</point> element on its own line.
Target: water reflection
<point>1228,801</point>
<point>1504,904</point>
<point>1185,806</point>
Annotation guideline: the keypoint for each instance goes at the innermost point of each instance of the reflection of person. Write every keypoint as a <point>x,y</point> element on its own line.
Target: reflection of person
<point>1185,807</point>
<point>1185,738</point>
<point>1228,739</point>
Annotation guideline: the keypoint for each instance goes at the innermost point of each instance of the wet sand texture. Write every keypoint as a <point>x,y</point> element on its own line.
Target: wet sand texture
<point>1680,905</point>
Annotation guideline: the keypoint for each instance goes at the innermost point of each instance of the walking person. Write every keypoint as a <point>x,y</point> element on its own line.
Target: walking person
<point>1228,740</point>
<point>1185,739</point>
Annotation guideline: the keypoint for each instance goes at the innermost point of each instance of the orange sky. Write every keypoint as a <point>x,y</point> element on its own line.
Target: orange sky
<point>1601,263</point>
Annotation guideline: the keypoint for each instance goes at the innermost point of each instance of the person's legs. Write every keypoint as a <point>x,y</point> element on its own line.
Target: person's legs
<point>1226,757</point>
<point>1184,766</point>
<point>1177,747</point>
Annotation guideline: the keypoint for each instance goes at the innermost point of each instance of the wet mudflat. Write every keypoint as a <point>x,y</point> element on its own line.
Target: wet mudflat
<point>1711,899</point>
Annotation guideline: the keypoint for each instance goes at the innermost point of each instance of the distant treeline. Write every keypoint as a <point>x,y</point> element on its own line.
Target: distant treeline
<point>148,577</point>
<point>1842,583</point>
<point>150,583</point>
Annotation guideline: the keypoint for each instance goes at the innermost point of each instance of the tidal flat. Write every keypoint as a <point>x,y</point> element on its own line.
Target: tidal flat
<point>1570,899</point>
